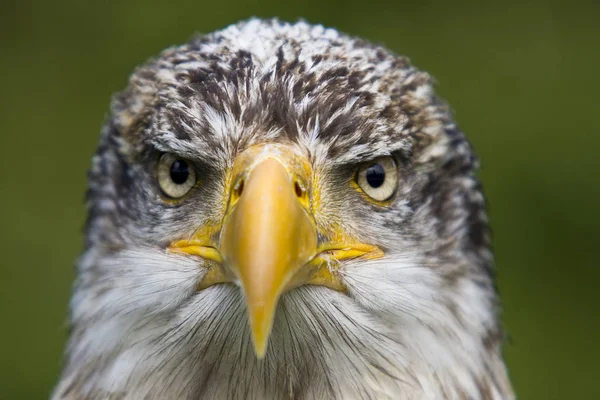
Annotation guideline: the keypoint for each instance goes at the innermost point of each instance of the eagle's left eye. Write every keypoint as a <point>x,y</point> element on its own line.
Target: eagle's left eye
<point>378,178</point>
<point>176,176</point>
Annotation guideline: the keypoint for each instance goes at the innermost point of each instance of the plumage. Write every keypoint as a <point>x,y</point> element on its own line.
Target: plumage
<point>420,321</point>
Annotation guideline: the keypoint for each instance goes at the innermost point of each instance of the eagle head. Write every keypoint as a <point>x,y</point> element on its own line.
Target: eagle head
<point>283,211</point>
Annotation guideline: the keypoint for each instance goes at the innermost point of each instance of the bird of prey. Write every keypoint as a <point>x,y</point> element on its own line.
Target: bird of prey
<point>279,210</point>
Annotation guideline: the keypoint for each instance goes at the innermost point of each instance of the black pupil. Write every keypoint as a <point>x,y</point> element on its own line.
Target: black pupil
<point>180,172</point>
<point>375,175</point>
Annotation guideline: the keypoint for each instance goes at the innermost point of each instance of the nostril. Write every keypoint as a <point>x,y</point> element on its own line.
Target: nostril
<point>239,188</point>
<point>299,190</point>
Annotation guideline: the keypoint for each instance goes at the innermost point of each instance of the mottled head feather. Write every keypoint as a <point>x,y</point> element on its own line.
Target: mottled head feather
<point>420,323</point>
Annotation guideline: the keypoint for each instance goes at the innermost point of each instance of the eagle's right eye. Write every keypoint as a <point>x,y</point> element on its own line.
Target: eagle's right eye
<point>176,176</point>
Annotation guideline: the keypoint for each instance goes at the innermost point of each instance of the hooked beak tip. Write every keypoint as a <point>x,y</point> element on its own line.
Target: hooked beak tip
<point>261,322</point>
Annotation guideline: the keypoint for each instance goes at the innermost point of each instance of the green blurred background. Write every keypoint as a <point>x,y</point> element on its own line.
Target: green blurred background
<point>522,77</point>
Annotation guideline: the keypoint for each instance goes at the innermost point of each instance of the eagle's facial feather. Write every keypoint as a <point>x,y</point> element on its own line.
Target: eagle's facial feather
<point>420,321</point>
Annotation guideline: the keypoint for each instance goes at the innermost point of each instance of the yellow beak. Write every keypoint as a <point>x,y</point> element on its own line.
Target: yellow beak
<point>266,239</point>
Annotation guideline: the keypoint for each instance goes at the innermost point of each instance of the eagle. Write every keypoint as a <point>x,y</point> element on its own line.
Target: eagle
<point>282,211</point>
